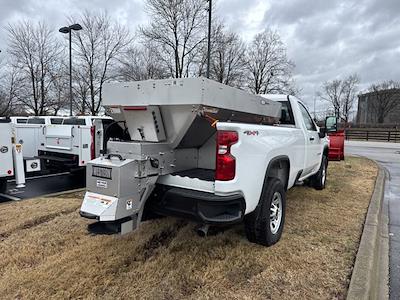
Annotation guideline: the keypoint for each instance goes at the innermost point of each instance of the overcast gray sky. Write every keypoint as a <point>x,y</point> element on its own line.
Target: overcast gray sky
<point>325,39</point>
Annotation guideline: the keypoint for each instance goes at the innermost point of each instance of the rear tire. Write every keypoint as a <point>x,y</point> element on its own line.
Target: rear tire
<point>319,179</point>
<point>3,186</point>
<point>264,225</point>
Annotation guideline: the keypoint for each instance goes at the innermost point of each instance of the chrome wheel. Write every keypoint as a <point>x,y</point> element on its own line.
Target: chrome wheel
<point>275,216</point>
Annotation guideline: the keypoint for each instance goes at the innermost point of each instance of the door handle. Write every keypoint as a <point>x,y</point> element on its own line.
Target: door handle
<point>312,138</point>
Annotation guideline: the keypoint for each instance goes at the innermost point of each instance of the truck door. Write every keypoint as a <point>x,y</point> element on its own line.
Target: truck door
<point>313,149</point>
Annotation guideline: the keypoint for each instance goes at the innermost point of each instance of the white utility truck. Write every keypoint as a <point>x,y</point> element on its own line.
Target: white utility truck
<point>27,133</point>
<point>73,142</point>
<point>6,157</point>
<point>11,158</point>
<point>205,151</point>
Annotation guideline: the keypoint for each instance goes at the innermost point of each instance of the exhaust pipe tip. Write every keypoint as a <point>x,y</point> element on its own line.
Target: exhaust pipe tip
<point>202,230</point>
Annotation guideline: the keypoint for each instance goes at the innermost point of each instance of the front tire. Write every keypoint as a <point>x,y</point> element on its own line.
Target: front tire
<point>319,179</point>
<point>264,225</point>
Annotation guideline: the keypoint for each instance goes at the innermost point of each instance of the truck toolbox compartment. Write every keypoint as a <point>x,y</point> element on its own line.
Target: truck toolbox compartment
<point>199,206</point>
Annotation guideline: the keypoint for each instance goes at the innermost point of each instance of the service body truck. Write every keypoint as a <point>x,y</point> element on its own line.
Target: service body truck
<point>6,156</point>
<point>27,133</point>
<point>73,142</point>
<point>11,157</point>
<point>204,151</point>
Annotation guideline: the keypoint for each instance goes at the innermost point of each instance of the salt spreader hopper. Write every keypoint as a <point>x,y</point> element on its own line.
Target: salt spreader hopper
<point>172,126</point>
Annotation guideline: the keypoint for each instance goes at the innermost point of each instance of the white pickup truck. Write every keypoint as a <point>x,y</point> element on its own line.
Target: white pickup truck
<point>204,151</point>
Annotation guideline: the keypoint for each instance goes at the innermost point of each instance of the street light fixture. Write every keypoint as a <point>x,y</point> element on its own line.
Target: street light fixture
<point>68,30</point>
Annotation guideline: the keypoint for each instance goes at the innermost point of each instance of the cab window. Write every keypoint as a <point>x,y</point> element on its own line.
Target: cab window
<point>74,121</point>
<point>36,121</point>
<point>308,121</point>
<point>56,120</point>
<point>286,113</point>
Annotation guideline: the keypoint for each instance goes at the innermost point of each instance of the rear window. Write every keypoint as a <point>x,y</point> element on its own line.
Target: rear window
<point>74,121</point>
<point>56,121</point>
<point>107,122</point>
<point>36,121</point>
<point>286,113</point>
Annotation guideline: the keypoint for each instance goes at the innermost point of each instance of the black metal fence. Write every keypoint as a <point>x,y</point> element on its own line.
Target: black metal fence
<point>379,135</point>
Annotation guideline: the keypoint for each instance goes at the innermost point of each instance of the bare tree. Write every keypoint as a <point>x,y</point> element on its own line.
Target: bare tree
<point>349,96</point>
<point>177,28</point>
<point>228,59</point>
<point>331,91</point>
<point>386,98</point>
<point>97,48</point>
<point>10,84</point>
<point>269,69</point>
<point>341,95</point>
<point>59,90</point>
<point>81,90</point>
<point>141,63</point>
<point>34,51</point>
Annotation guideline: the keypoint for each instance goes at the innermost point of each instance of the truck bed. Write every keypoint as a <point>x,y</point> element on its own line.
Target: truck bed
<point>196,179</point>
<point>201,174</point>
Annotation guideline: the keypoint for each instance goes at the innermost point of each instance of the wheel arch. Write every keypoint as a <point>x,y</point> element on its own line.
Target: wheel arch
<point>279,167</point>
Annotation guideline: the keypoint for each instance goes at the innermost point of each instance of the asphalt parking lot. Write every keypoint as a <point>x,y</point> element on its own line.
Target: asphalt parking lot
<point>388,156</point>
<point>45,184</point>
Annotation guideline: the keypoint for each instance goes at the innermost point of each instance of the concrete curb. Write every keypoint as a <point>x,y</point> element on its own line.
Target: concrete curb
<point>370,273</point>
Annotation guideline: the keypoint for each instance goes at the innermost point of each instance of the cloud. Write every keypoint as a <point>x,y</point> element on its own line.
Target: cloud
<point>55,13</point>
<point>326,39</point>
<point>332,39</point>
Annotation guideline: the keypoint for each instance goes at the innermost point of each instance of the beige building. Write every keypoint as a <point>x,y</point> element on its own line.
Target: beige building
<point>368,111</point>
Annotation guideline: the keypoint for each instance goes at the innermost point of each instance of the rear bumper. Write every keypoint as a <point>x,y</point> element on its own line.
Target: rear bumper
<point>198,206</point>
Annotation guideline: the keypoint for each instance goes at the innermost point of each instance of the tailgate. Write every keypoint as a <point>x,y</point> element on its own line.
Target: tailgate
<point>59,137</point>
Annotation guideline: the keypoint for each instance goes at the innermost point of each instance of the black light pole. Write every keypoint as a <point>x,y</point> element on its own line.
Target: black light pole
<point>209,39</point>
<point>69,30</point>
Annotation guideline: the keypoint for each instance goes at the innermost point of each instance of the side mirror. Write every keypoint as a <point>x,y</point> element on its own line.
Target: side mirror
<point>322,133</point>
<point>331,124</point>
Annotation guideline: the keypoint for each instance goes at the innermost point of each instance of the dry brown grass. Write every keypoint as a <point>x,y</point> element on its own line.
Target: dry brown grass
<point>47,251</point>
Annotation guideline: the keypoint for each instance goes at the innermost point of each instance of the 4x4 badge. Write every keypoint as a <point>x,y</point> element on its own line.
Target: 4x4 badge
<point>251,132</point>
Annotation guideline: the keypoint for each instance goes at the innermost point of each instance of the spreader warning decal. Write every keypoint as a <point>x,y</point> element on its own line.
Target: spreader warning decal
<point>98,200</point>
<point>129,204</point>
<point>101,184</point>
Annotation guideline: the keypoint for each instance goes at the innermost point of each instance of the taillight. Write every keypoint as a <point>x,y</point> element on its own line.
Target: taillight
<point>225,162</point>
<point>92,149</point>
